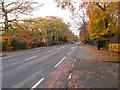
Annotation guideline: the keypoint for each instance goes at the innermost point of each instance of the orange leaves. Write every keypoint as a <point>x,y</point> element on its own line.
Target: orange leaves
<point>39,30</point>
<point>26,36</point>
<point>104,54</point>
<point>66,4</point>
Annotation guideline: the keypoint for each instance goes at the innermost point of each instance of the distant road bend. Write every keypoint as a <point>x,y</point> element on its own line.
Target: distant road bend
<point>29,69</point>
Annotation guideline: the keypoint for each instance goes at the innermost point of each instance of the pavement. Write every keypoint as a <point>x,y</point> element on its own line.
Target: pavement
<point>63,66</point>
<point>90,72</point>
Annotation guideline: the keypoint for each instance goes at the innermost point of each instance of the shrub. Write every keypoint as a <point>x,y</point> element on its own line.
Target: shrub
<point>114,47</point>
<point>50,43</point>
<point>3,45</point>
<point>22,45</point>
<point>40,44</point>
<point>16,44</point>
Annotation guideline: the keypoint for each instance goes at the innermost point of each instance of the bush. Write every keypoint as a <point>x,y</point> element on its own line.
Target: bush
<point>22,45</point>
<point>91,42</point>
<point>55,42</point>
<point>49,43</point>
<point>4,45</point>
<point>114,47</point>
<point>33,45</point>
<point>16,44</point>
<point>41,44</point>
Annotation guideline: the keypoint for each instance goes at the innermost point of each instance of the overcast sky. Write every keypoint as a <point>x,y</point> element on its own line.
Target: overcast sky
<point>50,9</point>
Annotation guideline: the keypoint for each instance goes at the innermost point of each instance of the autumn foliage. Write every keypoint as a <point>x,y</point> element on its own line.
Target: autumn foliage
<point>103,23</point>
<point>37,32</point>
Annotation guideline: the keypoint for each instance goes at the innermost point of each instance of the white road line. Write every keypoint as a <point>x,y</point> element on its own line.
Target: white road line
<point>72,48</point>
<point>12,55</point>
<point>70,76</point>
<point>59,62</point>
<point>50,51</point>
<point>75,60</point>
<point>69,53</point>
<point>37,83</point>
<point>35,51</point>
<point>72,65</point>
<point>31,57</point>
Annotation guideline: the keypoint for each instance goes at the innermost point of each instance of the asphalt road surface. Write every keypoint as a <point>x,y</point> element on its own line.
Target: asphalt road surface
<point>30,68</point>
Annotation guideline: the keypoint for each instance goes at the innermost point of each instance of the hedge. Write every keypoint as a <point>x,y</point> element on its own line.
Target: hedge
<point>114,47</point>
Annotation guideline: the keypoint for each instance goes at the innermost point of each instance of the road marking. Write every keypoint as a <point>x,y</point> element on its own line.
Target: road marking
<point>12,55</point>
<point>37,83</point>
<point>59,62</point>
<point>69,53</point>
<point>72,65</point>
<point>59,48</point>
<point>35,51</point>
<point>31,57</point>
<point>50,51</point>
<point>70,76</point>
<point>74,60</point>
<point>72,48</point>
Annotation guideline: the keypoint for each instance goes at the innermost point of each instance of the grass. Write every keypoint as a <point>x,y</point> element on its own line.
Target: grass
<point>104,59</point>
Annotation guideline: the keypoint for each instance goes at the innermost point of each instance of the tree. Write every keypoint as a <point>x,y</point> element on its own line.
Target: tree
<point>22,33</point>
<point>37,31</point>
<point>10,12</point>
<point>75,38</point>
<point>103,17</point>
<point>56,29</point>
<point>103,20</point>
<point>84,33</point>
<point>64,4</point>
<point>29,32</point>
<point>79,17</point>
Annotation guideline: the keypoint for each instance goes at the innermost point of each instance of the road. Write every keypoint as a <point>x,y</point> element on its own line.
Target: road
<point>29,69</point>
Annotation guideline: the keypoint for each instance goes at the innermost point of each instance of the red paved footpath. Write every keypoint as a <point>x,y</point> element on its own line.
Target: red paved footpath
<point>59,77</point>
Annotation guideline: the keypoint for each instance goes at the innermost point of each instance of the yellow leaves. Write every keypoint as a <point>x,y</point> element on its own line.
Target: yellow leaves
<point>102,22</point>
<point>7,38</point>
<point>34,31</point>
<point>114,47</point>
<point>104,17</point>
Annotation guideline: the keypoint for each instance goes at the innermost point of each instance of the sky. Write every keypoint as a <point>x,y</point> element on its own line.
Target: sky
<point>50,9</point>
